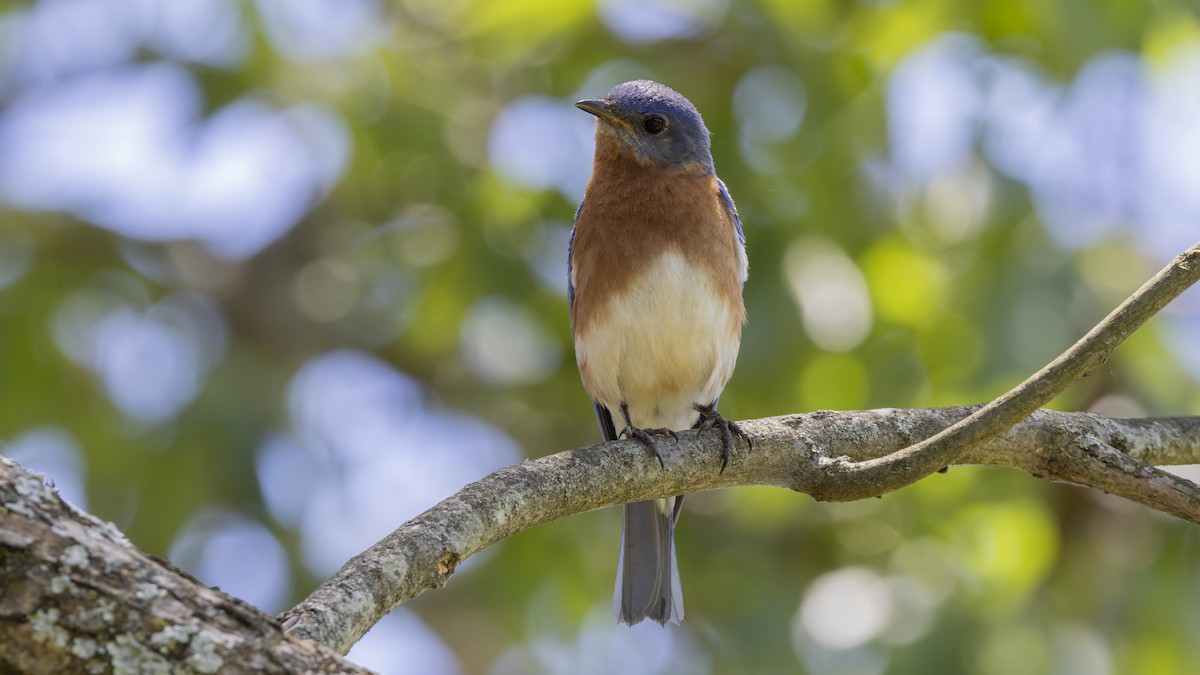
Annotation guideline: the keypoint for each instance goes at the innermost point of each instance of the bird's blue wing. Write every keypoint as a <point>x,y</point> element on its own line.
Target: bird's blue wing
<point>731,211</point>
<point>570,255</point>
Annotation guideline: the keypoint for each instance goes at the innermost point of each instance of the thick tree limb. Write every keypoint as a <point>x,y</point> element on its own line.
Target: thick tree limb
<point>794,451</point>
<point>77,597</point>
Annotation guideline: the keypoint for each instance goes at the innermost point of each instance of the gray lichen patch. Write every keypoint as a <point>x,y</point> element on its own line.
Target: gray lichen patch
<point>46,628</point>
<point>171,636</point>
<point>19,507</point>
<point>31,486</point>
<point>203,656</point>
<point>90,531</point>
<point>62,584</point>
<point>73,556</point>
<point>147,591</point>
<point>128,655</point>
<point>84,648</point>
<point>115,534</point>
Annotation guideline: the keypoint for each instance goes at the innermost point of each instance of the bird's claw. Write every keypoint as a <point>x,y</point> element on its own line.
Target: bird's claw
<point>646,436</point>
<point>709,419</point>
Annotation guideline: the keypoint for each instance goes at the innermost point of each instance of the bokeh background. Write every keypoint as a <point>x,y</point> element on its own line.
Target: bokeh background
<point>277,275</point>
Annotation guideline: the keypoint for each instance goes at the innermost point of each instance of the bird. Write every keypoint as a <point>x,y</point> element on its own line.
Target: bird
<point>656,267</point>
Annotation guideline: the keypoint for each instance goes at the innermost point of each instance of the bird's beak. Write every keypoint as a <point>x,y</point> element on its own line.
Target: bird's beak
<point>603,110</point>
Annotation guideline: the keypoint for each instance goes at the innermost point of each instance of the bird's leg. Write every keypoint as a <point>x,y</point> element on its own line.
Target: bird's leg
<point>710,418</point>
<point>646,436</point>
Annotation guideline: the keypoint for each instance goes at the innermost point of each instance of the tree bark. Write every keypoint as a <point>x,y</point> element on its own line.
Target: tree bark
<point>77,597</point>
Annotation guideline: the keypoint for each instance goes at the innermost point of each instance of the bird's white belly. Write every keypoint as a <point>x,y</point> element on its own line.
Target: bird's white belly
<point>668,341</point>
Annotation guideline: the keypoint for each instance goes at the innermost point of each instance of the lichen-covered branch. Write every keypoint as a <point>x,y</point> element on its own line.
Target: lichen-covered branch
<point>77,597</point>
<point>794,451</point>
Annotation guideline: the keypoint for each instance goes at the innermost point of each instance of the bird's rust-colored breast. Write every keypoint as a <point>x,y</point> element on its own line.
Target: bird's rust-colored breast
<point>633,212</point>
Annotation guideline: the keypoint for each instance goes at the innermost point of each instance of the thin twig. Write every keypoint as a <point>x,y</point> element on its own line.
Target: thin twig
<point>884,474</point>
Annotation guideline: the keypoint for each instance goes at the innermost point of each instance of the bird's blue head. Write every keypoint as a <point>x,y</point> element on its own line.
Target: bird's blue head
<point>654,123</point>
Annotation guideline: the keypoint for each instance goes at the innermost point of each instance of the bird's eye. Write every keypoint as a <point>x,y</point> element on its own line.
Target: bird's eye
<point>654,124</point>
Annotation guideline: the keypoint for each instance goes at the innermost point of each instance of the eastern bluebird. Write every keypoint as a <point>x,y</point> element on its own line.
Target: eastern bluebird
<point>656,266</point>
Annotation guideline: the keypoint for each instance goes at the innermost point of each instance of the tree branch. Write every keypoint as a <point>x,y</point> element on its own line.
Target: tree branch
<point>77,597</point>
<point>424,552</point>
<point>884,474</point>
<point>793,451</point>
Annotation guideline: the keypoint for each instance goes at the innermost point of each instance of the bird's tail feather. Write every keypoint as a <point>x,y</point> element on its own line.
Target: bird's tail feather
<point>647,573</point>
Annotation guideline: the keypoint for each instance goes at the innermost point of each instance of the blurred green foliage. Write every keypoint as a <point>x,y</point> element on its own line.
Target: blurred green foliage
<point>982,570</point>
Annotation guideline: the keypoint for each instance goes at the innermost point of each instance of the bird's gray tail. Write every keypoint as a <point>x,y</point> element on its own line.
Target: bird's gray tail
<point>647,574</point>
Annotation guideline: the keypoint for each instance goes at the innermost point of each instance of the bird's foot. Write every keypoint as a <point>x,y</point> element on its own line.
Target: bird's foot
<point>709,419</point>
<point>646,436</point>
